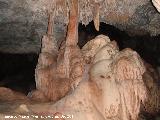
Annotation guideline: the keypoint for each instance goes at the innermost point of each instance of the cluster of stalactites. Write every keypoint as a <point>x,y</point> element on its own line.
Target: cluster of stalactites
<point>95,10</point>
<point>89,10</point>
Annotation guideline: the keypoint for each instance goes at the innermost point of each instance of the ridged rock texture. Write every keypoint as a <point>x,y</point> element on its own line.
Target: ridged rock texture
<point>93,98</point>
<point>156,3</point>
<point>97,82</point>
<point>133,82</point>
<point>59,69</point>
<point>24,22</point>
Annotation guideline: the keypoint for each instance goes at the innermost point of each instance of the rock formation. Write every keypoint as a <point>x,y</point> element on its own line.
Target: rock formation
<point>23,23</point>
<point>156,3</point>
<point>152,83</point>
<point>104,71</point>
<point>58,71</point>
<point>97,82</point>
<point>114,89</point>
<point>117,85</point>
<point>8,95</point>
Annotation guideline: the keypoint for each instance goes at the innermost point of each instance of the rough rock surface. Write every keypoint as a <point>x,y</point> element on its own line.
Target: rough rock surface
<point>59,70</point>
<point>93,99</point>
<point>23,22</point>
<point>156,3</point>
<point>106,76</point>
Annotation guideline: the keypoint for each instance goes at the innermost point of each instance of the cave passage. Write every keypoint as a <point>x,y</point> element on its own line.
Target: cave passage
<point>147,46</point>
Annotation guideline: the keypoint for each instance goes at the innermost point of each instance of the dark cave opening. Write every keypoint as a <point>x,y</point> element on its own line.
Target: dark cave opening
<point>147,46</point>
<point>17,71</point>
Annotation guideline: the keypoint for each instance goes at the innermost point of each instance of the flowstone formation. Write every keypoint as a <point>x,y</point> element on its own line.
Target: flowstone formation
<point>124,73</point>
<point>93,98</point>
<point>97,82</point>
<point>82,82</point>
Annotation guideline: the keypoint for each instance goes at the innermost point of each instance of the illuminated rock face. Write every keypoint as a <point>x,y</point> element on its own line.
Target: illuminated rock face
<point>59,70</point>
<point>99,81</point>
<point>114,88</point>
<point>23,23</point>
<point>156,3</point>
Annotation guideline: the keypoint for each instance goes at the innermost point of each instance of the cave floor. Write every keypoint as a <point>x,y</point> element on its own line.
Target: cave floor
<point>19,110</point>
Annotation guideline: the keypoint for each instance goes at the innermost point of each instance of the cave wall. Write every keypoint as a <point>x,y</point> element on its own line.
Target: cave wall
<point>23,22</point>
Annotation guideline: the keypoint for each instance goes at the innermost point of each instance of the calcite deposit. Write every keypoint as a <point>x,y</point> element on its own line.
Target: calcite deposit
<point>23,23</point>
<point>97,82</point>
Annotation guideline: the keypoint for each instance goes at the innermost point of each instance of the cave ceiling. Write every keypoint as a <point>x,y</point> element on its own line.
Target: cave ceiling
<point>23,22</point>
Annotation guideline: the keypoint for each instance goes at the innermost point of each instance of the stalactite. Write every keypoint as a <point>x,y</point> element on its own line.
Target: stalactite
<point>97,17</point>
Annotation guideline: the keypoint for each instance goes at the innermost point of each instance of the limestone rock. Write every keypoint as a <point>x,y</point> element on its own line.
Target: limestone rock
<point>23,23</point>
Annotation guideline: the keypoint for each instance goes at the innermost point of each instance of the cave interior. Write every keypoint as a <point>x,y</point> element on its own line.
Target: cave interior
<point>17,70</point>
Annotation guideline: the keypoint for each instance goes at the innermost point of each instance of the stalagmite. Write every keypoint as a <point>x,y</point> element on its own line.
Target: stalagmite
<point>72,52</point>
<point>59,71</point>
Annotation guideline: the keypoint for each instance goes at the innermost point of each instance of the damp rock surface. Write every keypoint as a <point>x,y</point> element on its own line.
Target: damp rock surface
<point>22,23</point>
